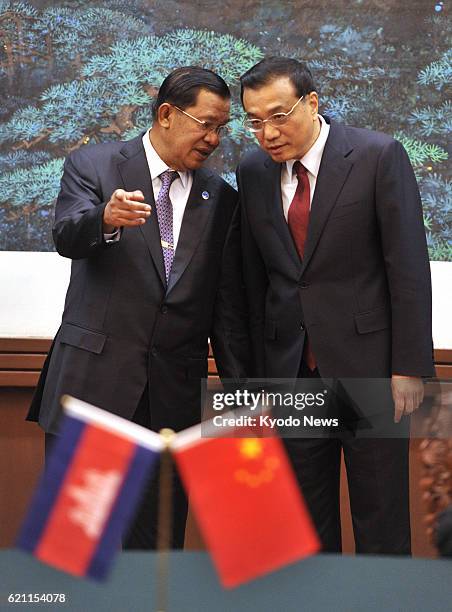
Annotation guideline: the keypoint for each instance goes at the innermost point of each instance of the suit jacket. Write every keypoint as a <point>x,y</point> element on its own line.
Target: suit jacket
<point>122,326</point>
<point>362,291</point>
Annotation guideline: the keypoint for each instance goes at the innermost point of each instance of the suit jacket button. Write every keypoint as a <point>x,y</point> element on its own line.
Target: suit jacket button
<point>303,284</point>
<point>154,352</point>
<point>164,309</point>
<point>302,326</point>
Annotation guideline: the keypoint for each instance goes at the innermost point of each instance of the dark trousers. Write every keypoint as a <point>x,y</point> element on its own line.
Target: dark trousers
<point>378,481</point>
<point>142,533</point>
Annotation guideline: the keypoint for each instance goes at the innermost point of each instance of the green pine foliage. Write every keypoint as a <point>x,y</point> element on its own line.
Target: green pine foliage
<point>230,178</point>
<point>436,194</point>
<point>26,123</point>
<point>141,122</point>
<point>22,159</point>
<point>17,8</point>
<point>437,203</point>
<point>429,120</point>
<point>149,59</point>
<point>64,36</point>
<point>438,249</point>
<point>438,73</point>
<point>421,152</point>
<point>79,72</point>
<point>36,185</point>
<point>237,132</point>
<point>69,111</point>
<point>89,108</point>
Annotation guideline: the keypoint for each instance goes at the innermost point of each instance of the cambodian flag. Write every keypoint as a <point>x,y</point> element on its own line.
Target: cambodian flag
<point>89,490</point>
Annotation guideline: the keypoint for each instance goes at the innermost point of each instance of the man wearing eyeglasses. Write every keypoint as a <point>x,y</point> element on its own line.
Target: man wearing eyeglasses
<point>155,273</point>
<point>338,282</point>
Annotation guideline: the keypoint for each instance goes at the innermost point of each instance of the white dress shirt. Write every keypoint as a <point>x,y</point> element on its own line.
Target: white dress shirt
<point>311,161</point>
<point>179,190</point>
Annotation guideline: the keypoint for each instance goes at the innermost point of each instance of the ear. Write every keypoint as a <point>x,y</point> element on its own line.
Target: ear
<point>165,115</point>
<point>313,102</point>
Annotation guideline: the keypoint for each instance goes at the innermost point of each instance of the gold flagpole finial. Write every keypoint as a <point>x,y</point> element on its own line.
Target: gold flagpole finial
<point>167,435</point>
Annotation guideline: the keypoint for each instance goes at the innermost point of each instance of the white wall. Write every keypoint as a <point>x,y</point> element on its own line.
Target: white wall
<point>33,286</point>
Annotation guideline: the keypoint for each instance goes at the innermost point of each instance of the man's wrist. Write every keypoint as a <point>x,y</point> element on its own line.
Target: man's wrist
<point>112,236</point>
<point>109,229</point>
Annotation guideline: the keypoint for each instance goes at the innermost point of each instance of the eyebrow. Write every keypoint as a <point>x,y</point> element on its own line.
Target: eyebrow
<point>279,108</point>
<point>207,116</point>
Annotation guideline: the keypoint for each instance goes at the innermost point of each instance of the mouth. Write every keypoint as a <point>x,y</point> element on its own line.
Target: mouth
<point>273,150</point>
<point>204,153</point>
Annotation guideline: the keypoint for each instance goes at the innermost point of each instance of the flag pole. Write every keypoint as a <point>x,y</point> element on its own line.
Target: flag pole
<point>164,528</point>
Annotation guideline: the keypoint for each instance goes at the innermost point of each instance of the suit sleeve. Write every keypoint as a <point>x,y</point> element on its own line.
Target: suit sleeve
<point>256,284</point>
<point>230,329</point>
<point>400,219</point>
<point>77,230</point>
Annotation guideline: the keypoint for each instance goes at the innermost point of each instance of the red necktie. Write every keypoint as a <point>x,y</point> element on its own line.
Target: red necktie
<point>298,221</point>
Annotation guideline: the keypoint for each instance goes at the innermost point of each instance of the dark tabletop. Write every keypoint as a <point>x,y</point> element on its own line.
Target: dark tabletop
<point>325,583</point>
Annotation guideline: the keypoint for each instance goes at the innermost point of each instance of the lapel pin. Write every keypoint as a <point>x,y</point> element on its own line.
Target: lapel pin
<point>205,195</point>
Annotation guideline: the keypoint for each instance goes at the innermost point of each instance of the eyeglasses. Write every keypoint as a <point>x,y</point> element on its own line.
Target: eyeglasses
<point>257,125</point>
<point>219,130</point>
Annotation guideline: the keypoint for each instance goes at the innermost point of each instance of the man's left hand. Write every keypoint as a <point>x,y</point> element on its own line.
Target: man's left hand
<point>408,393</point>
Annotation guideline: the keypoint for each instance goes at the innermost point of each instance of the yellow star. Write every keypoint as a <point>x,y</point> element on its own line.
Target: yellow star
<point>250,447</point>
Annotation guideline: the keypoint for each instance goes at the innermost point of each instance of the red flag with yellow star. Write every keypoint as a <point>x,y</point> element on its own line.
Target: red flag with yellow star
<point>247,503</point>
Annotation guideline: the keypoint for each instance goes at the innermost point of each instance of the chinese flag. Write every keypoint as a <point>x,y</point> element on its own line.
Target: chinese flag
<point>247,503</point>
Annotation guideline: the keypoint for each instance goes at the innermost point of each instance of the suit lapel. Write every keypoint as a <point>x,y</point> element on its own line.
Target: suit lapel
<point>134,171</point>
<point>275,209</point>
<point>197,212</point>
<point>333,172</point>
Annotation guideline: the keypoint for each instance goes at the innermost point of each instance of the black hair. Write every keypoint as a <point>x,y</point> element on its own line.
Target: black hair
<point>181,87</point>
<point>271,68</point>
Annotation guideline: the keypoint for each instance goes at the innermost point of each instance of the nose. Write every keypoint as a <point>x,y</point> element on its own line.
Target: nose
<point>212,138</point>
<point>270,132</point>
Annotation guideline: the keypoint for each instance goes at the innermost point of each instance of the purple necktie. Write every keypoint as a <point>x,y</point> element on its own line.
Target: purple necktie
<point>165,218</point>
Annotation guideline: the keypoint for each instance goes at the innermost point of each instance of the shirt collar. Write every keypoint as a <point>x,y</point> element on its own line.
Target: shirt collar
<point>311,160</point>
<point>156,163</point>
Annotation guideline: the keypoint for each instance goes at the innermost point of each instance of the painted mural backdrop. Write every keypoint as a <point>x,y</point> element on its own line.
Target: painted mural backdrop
<point>77,73</point>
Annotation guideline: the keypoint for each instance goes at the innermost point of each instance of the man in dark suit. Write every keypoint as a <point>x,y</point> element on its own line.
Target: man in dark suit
<point>155,273</point>
<point>338,282</point>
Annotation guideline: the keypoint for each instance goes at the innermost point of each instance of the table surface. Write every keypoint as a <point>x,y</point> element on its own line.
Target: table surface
<point>324,583</point>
